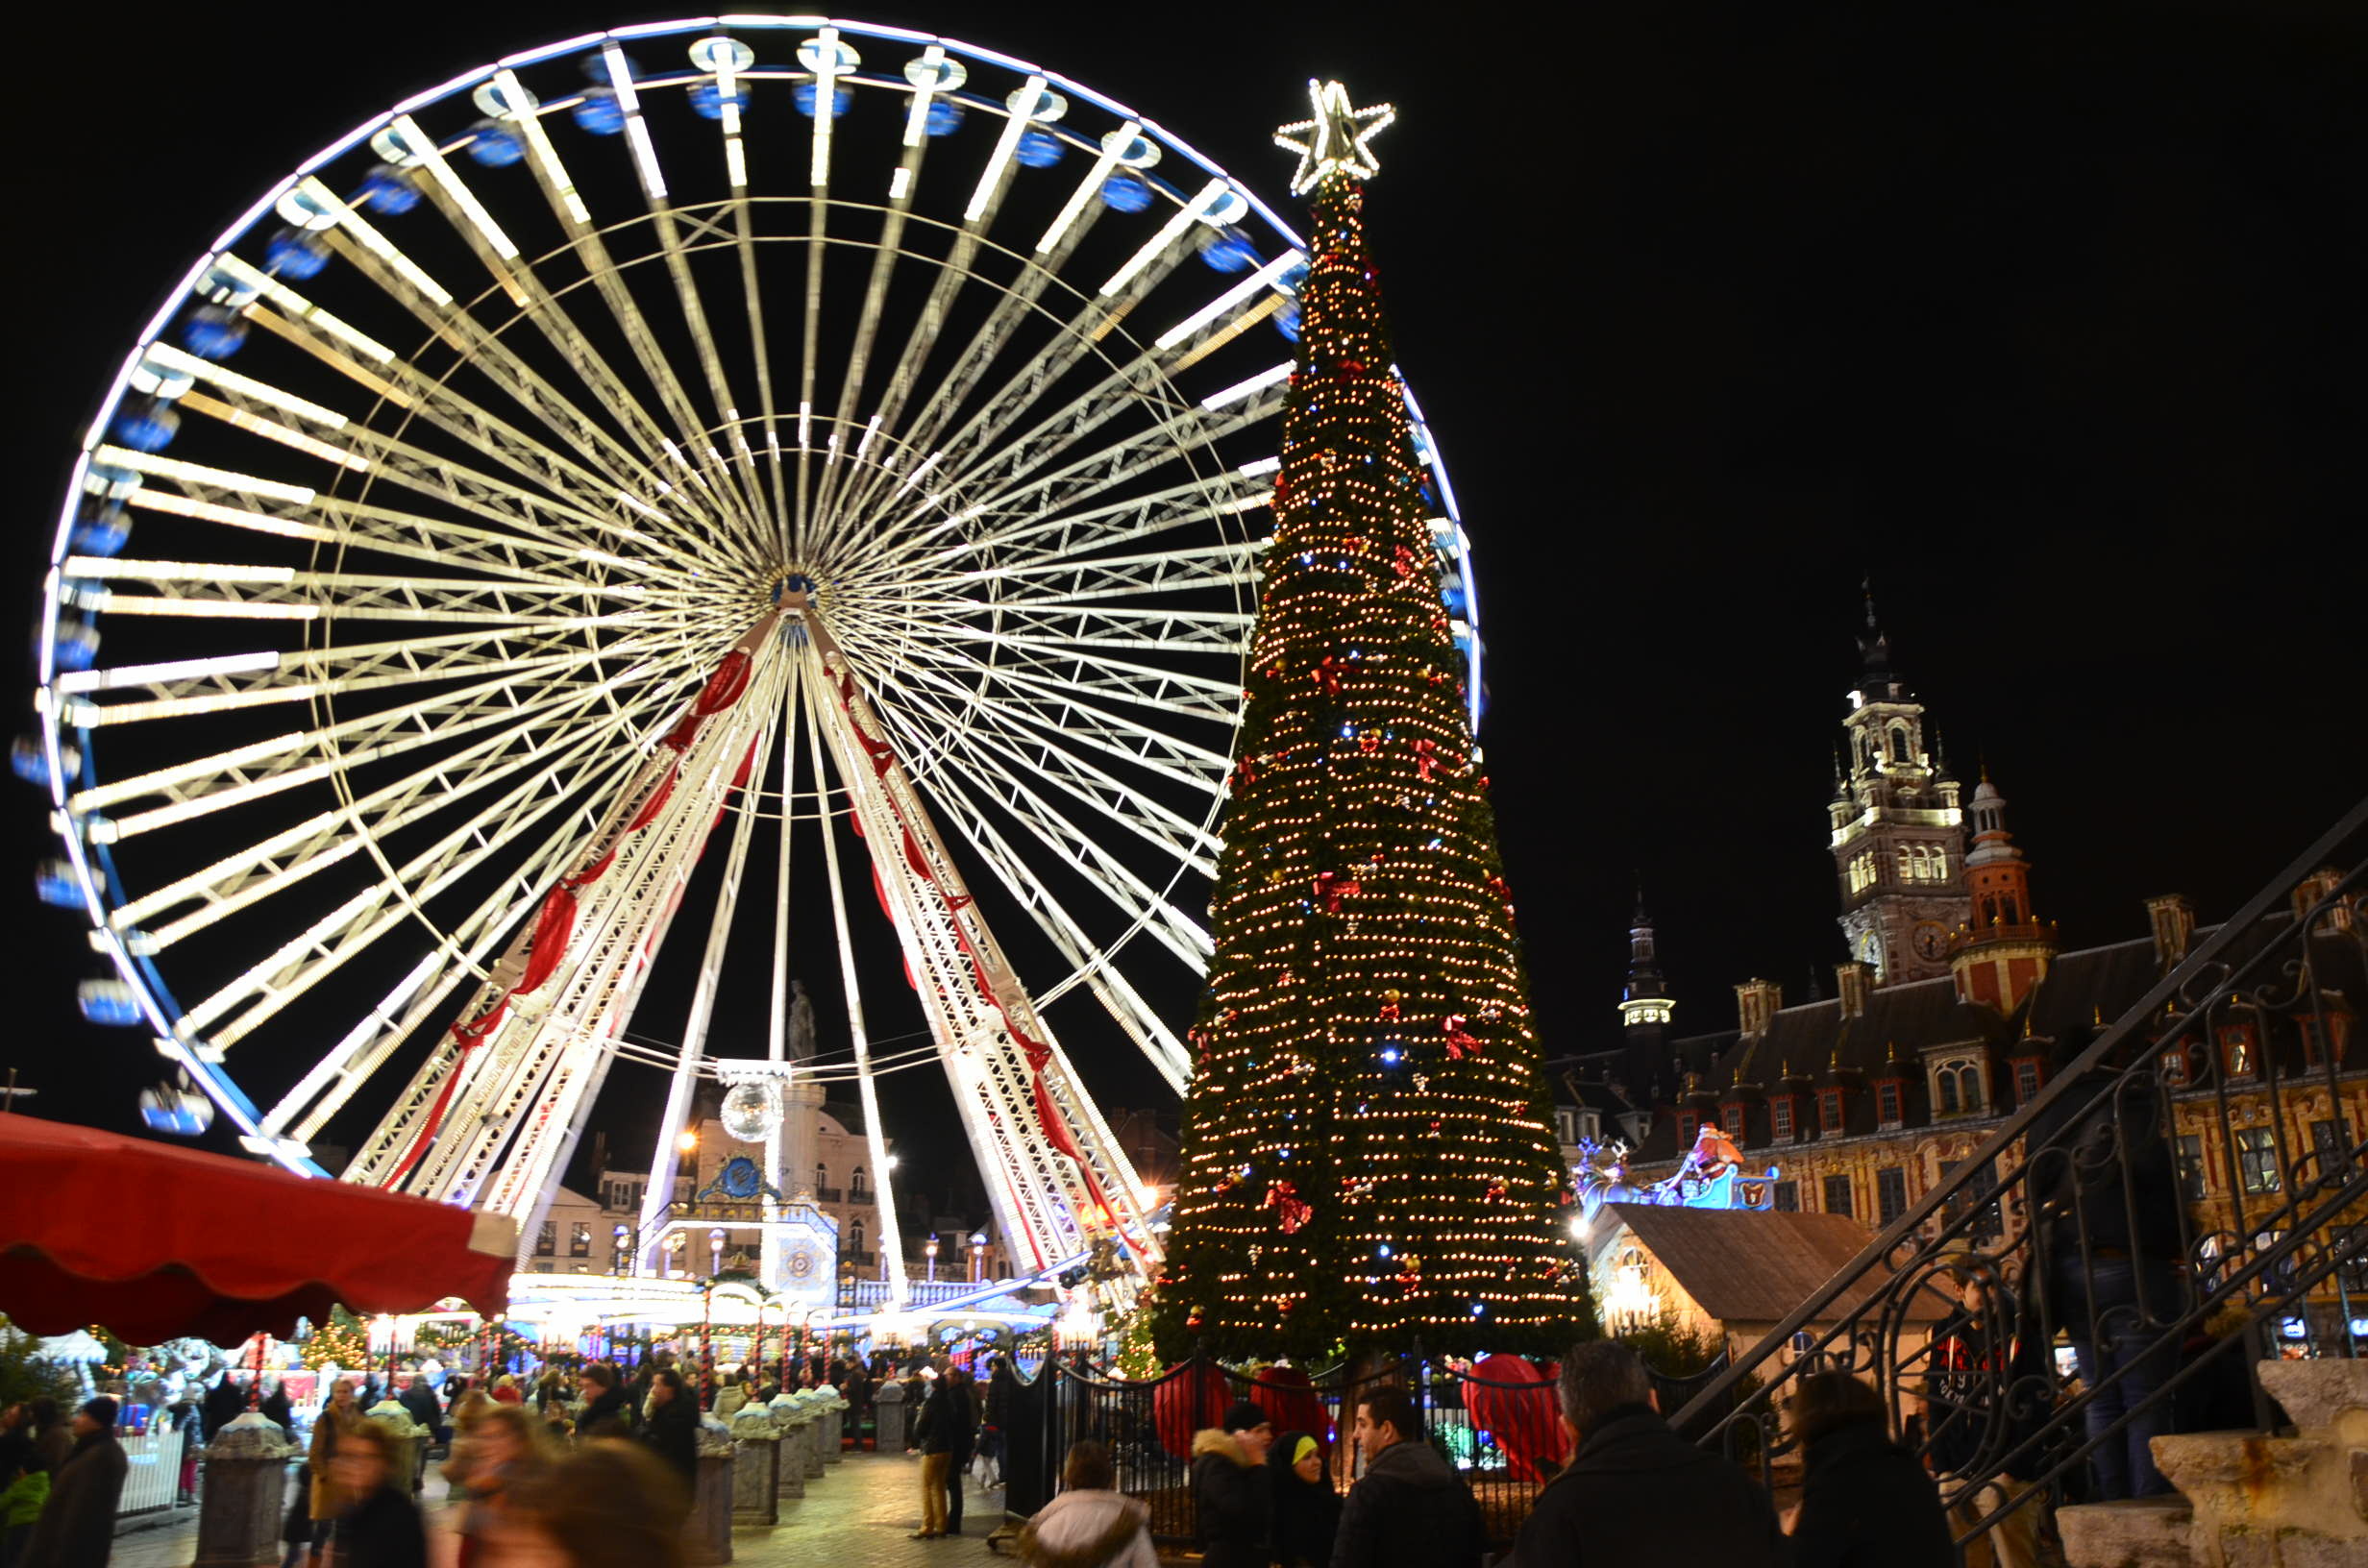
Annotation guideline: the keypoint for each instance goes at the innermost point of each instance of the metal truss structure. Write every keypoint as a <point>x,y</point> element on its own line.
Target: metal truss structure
<point>877,373</point>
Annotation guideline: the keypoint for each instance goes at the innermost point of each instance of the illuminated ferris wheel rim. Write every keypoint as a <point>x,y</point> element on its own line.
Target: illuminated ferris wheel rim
<point>63,748</point>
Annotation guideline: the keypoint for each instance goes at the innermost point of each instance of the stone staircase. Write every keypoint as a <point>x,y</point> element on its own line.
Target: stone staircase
<point>2249,1499</point>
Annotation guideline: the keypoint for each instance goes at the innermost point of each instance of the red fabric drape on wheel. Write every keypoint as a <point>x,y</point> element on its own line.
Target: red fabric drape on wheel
<point>552,927</point>
<point>656,802</point>
<point>156,1241</point>
<point>1524,1419</point>
<point>724,686</point>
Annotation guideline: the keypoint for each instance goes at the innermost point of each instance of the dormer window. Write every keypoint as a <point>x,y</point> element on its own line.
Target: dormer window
<point>1567,1125</point>
<point>1688,1123</point>
<point>2239,1050</point>
<point>2317,1030</point>
<point>1780,1122</point>
<point>1958,1088</point>
<point>1828,1111</point>
<point>1590,1126</point>
<point>2027,1079</point>
<point>1731,1117</point>
<point>1887,1107</point>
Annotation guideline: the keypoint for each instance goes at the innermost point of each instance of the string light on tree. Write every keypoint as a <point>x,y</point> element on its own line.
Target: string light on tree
<point>1368,1154</point>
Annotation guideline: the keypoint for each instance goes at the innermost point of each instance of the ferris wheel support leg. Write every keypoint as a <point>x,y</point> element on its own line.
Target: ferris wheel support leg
<point>891,1236</point>
<point>798,1122</point>
<point>667,1161</point>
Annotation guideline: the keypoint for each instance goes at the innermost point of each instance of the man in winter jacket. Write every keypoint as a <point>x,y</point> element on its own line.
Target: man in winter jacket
<point>1229,1488</point>
<point>77,1525</point>
<point>1408,1509</point>
<point>1631,1481</point>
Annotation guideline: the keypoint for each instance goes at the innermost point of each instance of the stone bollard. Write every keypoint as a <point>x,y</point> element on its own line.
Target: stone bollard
<point>245,1497</point>
<point>791,1423</point>
<point>411,1440</point>
<point>709,1525</point>
<point>835,1425</point>
<point>755,1468</point>
<point>816,1427</point>
<point>888,1414</point>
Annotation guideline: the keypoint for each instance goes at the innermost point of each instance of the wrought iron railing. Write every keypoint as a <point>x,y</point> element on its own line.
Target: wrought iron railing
<point>2193,1175</point>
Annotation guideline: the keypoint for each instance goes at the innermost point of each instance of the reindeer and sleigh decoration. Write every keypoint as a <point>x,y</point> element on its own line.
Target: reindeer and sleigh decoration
<point>1711,1176</point>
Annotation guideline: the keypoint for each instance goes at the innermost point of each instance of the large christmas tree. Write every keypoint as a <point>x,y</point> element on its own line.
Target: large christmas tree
<point>1368,1154</point>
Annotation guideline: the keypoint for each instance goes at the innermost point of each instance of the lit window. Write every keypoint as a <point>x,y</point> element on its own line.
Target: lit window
<point>2175,1070</point>
<point>580,1241</point>
<point>547,1239</point>
<point>2257,1158</point>
<point>2236,1050</point>
<point>2191,1173</point>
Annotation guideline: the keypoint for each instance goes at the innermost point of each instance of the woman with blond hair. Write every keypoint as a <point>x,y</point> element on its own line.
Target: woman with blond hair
<point>340,1418</point>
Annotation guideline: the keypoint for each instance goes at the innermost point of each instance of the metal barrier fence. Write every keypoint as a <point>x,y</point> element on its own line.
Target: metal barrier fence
<point>1503,1436</point>
<point>152,1478</point>
<point>2192,1176</point>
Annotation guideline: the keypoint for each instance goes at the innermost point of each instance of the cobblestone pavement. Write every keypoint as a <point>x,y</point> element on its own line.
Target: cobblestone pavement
<point>860,1515</point>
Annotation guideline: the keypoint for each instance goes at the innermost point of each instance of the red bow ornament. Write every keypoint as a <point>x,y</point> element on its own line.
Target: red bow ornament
<point>1327,674</point>
<point>1426,757</point>
<point>1460,1044</point>
<point>1331,887</point>
<point>1291,1211</point>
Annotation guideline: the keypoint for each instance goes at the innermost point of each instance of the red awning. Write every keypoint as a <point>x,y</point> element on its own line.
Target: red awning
<point>155,1242</point>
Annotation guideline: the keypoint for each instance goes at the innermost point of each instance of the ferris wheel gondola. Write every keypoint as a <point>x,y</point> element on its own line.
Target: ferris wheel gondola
<point>702,436</point>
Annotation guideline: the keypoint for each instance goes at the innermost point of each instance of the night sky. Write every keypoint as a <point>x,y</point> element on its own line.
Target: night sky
<point>2048,323</point>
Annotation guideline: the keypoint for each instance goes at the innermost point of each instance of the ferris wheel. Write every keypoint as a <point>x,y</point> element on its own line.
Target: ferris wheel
<point>831,452</point>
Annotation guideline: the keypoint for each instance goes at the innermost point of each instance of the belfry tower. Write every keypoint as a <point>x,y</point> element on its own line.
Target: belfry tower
<point>1898,836</point>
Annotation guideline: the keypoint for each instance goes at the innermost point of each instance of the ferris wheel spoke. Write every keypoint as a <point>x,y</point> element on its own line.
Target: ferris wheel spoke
<point>244,773</point>
<point>1223,632</point>
<point>277,863</point>
<point>1078,850</point>
<point>1089,960</point>
<point>1067,694</point>
<point>1063,675</point>
<point>347,931</point>
<point>184,688</point>
<point>704,468</point>
<point>1035,537</point>
<point>987,435</point>
<point>1044,756</point>
<point>231,592</point>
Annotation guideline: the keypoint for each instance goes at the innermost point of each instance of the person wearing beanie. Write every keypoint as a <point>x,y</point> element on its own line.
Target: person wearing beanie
<point>1230,1496</point>
<point>77,1525</point>
<point>1307,1510</point>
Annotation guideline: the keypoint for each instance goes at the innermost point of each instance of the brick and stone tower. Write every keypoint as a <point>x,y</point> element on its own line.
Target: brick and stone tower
<point>1898,836</point>
<point>2004,948</point>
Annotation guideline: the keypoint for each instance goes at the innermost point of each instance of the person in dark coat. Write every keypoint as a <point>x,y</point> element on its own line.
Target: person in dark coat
<point>606,1414</point>
<point>419,1402</point>
<point>947,1427</point>
<point>77,1525</point>
<point>380,1526</point>
<point>1229,1488</point>
<point>1631,1481</point>
<point>52,1440</point>
<point>1408,1509</point>
<point>1306,1509</point>
<point>1865,1503</point>
<point>225,1403</point>
<point>2101,1156</point>
<point>670,1425</point>
<point>276,1406</point>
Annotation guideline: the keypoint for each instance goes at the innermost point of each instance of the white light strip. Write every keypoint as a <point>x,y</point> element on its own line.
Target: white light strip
<point>245,386</point>
<point>152,674</point>
<point>218,479</point>
<point>1015,126</point>
<point>825,94</point>
<point>1243,389</point>
<point>367,235</point>
<point>1264,465</point>
<point>636,132</point>
<point>1266,276</point>
<point>900,183</point>
<point>1169,232</point>
<point>917,117</point>
<point>459,193</point>
<point>1092,182</point>
<point>305,311</point>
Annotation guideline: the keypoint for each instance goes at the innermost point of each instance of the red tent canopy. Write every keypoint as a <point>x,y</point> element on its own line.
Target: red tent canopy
<point>155,1242</point>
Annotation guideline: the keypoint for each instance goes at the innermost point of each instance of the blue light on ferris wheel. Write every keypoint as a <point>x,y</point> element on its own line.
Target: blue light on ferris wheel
<point>598,112</point>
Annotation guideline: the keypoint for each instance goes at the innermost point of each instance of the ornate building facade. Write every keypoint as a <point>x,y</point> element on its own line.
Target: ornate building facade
<point>1955,1004</point>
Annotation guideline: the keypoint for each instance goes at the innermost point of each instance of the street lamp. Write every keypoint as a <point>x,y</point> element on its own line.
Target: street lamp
<point>978,1256</point>
<point>930,1252</point>
<point>715,1250</point>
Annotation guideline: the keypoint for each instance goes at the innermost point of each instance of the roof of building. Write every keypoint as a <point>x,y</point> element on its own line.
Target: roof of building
<point>1753,1266</point>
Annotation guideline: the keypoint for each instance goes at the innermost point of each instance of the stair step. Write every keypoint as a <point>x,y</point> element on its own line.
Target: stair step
<point>2142,1532</point>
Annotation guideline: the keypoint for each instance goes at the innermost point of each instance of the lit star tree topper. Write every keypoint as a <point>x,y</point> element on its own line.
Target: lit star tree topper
<point>1369,1160</point>
<point>1336,136</point>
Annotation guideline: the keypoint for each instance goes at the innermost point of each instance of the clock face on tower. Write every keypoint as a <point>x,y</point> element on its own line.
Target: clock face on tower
<point>1931,940</point>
